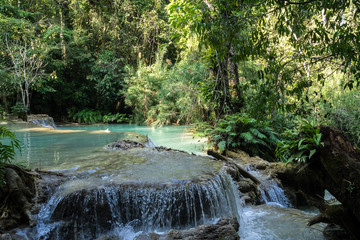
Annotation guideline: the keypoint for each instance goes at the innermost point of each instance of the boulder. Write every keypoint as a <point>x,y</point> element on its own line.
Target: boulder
<point>226,229</point>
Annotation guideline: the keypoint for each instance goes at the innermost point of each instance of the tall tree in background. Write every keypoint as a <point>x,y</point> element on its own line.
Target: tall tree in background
<point>222,29</point>
<point>20,52</point>
<point>27,66</point>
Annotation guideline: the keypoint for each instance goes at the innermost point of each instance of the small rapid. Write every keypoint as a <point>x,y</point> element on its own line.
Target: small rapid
<point>271,193</point>
<point>276,218</point>
<point>42,120</point>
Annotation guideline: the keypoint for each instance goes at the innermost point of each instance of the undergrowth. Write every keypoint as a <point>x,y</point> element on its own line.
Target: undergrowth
<point>7,150</point>
<point>300,145</point>
<point>89,116</point>
<point>239,131</point>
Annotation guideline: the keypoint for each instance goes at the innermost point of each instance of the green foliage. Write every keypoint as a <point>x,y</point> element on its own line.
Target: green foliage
<point>116,118</point>
<point>165,94</point>
<point>7,150</point>
<point>19,110</point>
<point>239,131</point>
<point>2,111</point>
<point>89,116</point>
<point>300,146</point>
<point>107,74</point>
<point>226,36</point>
<point>344,114</point>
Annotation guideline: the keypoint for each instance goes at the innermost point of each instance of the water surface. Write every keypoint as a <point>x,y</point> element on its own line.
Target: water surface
<point>64,147</point>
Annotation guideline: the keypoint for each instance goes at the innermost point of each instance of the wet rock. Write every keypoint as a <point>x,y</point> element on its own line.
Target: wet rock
<point>5,236</point>
<point>124,145</point>
<point>233,171</point>
<point>8,236</point>
<point>262,165</point>
<point>109,238</point>
<point>246,185</point>
<point>41,119</point>
<point>226,229</point>
<point>335,232</point>
<point>249,190</point>
<point>165,149</point>
<point>297,180</point>
<point>150,236</point>
<point>131,140</point>
<point>21,198</point>
<point>300,183</point>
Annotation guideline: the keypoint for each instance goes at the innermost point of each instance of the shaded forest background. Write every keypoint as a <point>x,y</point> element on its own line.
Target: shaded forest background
<point>250,74</point>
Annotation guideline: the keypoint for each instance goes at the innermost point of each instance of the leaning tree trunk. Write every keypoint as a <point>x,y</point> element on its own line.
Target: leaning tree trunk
<point>338,165</point>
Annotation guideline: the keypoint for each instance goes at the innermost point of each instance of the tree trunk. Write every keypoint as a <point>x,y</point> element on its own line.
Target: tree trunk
<point>234,80</point>
<point>222,88</point>
<point>338,166</point>
<point>4,100</point>
<point>62,24</point>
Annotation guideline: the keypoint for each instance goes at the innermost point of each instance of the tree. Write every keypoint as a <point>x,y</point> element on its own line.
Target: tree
<point>225,36</point>
<point>27,66</point>
<point>107,75</point>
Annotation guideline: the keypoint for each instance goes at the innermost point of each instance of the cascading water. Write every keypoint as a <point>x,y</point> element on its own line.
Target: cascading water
<point>48,122</point>
<point>276,219</point>
<point>272,194</point>
<point>91,207</point>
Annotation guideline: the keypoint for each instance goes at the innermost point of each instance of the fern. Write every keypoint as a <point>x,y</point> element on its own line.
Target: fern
<point>239,131</point>
<point>301,145</point>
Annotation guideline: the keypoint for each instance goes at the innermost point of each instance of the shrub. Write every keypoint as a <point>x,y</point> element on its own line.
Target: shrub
<point>239,131</point>
<point>344,114</point>
<point>19,110</point>
<point>90,116</point>
<point>300,144</point>
<point>116,118</point>
<point>7,151</point>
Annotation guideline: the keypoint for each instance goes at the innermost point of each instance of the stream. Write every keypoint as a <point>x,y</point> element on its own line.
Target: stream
<point>160,190</point>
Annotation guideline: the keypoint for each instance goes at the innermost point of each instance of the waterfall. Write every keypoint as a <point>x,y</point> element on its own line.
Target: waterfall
<point>46,122</point>
<point>87,213</point>
<point>273,194</point>
<point>270,190</point>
